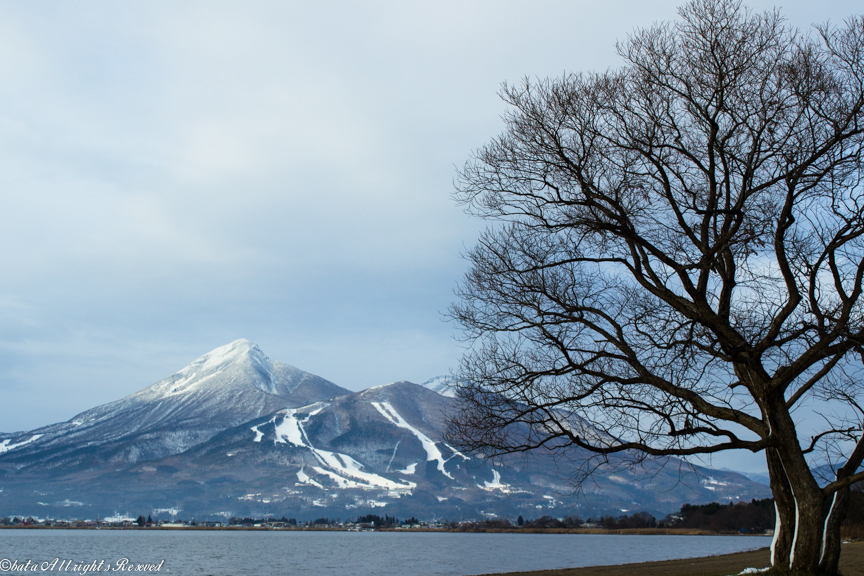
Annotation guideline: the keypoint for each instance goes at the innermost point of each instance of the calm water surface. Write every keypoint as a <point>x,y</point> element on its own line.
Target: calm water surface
<point>347,553</point>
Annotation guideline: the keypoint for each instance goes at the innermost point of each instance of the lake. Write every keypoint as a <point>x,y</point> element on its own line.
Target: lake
<point>231,553</point>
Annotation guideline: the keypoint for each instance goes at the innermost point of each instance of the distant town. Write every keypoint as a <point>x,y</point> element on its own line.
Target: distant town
<point>239,523</point>
<point>754,517</point>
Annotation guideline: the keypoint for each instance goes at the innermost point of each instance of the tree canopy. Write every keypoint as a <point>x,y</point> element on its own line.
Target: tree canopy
<point>674,261</point>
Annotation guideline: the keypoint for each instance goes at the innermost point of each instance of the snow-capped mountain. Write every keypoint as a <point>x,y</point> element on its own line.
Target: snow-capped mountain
<point>236,434</point>
<point>444,385</point>
<point>226,387</point>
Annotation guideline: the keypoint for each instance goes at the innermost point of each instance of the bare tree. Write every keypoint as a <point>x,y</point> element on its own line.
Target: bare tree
<point>676,257</point>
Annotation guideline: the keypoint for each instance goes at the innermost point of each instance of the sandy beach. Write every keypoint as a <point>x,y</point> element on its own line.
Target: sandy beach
<point>851,564</point>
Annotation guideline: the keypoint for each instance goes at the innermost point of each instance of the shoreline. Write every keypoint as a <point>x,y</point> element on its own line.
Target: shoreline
<point>851,560</point>
<point>621,532</point>
<point>851,564</point>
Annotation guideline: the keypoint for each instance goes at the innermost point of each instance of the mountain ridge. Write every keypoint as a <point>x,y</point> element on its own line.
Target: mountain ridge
<point>236,433</point>
<point>225,387</point>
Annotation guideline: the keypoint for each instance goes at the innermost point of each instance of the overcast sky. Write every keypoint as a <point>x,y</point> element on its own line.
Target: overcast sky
<point>177,175</point>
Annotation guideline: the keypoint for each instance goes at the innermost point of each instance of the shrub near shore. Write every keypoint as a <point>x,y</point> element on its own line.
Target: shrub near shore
<point>754,517</point>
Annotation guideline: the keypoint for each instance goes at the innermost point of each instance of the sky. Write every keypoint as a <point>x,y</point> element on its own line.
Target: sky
<point>178,175</point>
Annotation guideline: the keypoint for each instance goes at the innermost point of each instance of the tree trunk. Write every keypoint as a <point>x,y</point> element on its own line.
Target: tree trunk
<point>784,508</point>
<point>797,497</point>
<point>829,564</point>
<point>801,527</point>
<point>807,542</point>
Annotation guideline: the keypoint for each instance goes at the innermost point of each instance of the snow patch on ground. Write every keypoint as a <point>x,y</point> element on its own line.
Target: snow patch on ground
<point>305,479</point>
<point>5,445</point>
<point>340,481</point>
<point>291,430</point>
<point>366,504</point>
<point>410,469</point>
<point>455,452</point>
<point>552,502</point>
<point>344,470</point>
<point>351,471</point>
<point>378,387</point>
<point>432,451</point>
<point>258,434</point>
<point>444,385</point>
<point>496,482</point>
<point>119,518</point>
<point>321,407</point>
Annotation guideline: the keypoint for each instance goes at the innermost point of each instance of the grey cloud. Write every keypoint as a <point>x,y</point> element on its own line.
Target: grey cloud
<point>179,175</point>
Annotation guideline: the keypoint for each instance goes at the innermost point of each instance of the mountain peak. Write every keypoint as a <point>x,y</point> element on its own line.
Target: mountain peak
<point>238,350</point>
<point>241,368</point>
<point>444,385</point>
<point>231,368</point>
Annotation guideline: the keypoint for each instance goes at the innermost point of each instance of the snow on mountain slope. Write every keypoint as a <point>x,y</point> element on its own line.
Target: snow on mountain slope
<point>339,444</point>
<point>234,432</point>
<point>223,388</point>
<point>236,367</point>
<point>444,385</point>
<point>344,470</point>
<point>432,451</point>
<point>383,448</point>
<point>5,445</point>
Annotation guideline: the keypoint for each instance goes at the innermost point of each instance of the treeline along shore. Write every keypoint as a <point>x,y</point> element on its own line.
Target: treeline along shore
<point>754,517</point>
